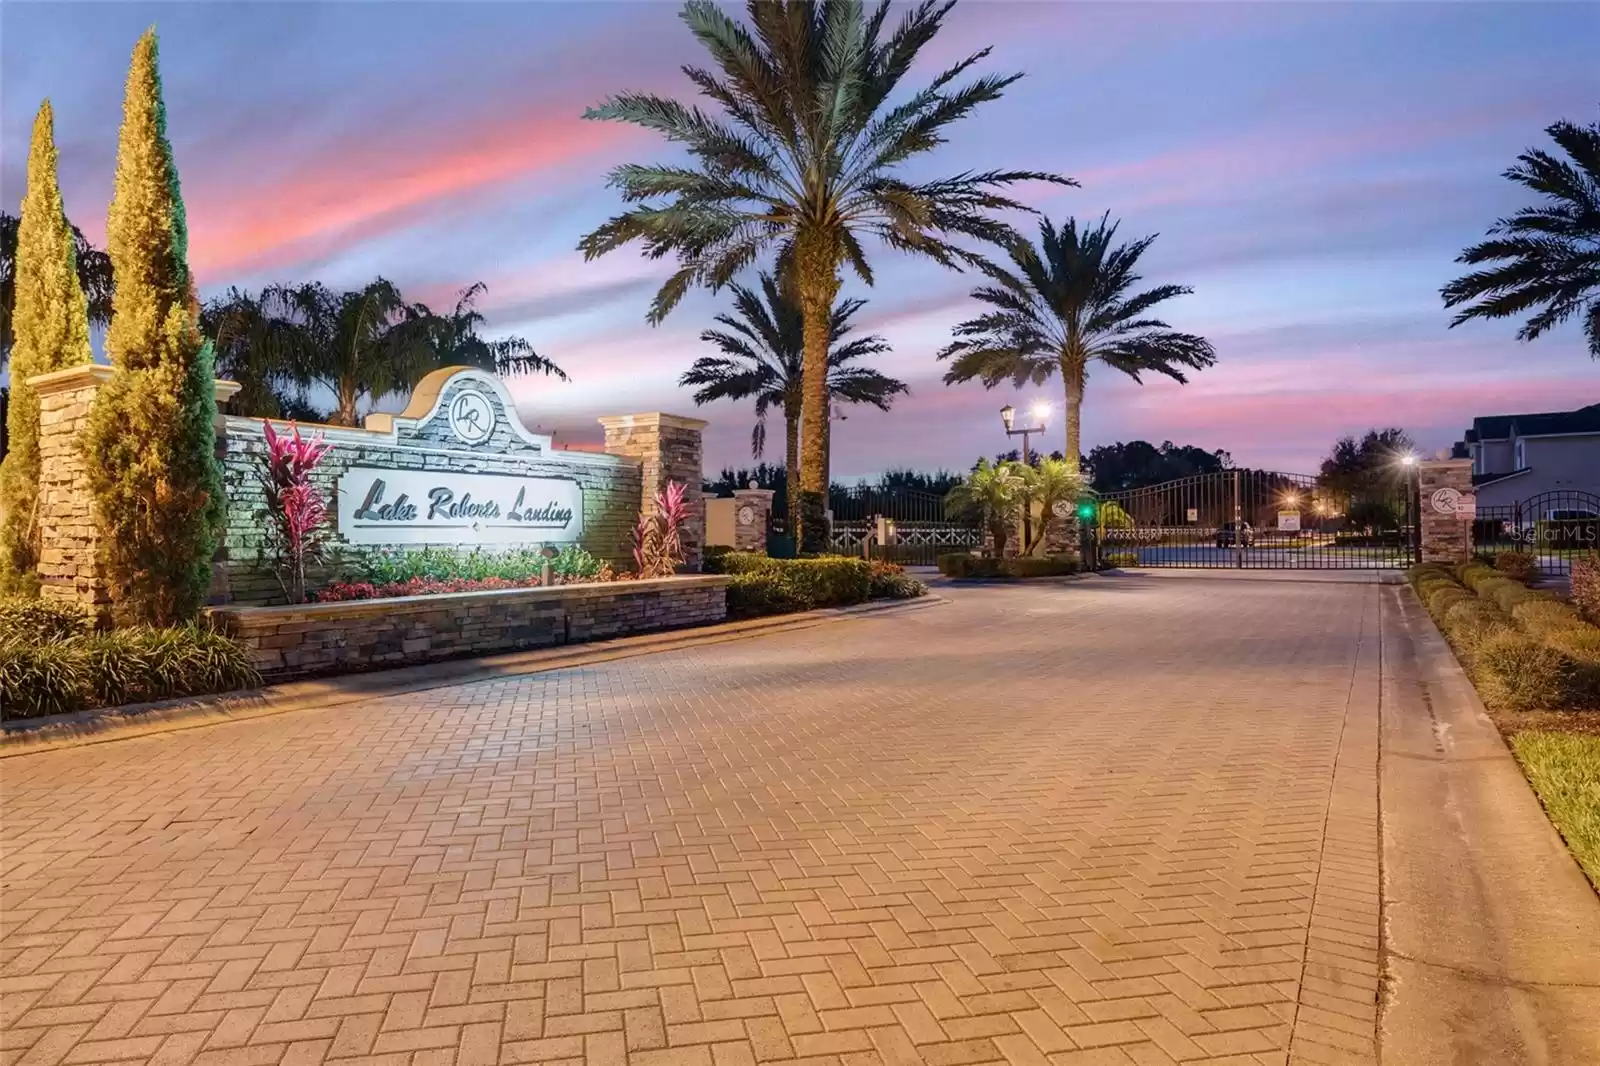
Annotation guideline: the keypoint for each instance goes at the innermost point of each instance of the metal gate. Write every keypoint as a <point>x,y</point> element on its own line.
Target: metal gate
<point>1259,519</point>
<point>922,529</point>
<point>1555,527</point>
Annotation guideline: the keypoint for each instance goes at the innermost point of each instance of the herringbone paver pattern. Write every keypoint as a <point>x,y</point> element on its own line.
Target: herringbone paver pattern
<point>1126,822</point>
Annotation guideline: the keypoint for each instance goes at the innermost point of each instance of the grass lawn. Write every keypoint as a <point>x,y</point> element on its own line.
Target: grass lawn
<point>1564,769</point>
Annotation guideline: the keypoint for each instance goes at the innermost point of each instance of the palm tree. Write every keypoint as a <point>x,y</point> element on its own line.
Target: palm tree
<point>1044,486</point>
<point>94,275</point>
<point>361,345</point>
<point>804,157</point>
<point>1548,257</point>
<point>989,495</point>
<point>763,357</point>
<point>1068,304</point>
<point>456,342</point>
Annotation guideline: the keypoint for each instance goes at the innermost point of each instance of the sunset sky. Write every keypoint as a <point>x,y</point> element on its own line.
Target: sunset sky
<point>1312,169</point>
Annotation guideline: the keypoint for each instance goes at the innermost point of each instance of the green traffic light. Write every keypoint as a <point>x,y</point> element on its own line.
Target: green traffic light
<point>1085,510</point>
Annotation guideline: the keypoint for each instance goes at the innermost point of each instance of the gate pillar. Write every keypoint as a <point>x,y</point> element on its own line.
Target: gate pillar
<point>751,519</point>
<point>1446,504</point>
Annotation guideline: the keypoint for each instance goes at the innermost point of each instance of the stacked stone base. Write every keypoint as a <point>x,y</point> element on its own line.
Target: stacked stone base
<point>325,638</point>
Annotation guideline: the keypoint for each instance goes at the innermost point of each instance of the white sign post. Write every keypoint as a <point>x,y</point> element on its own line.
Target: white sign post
<point>379,506</point>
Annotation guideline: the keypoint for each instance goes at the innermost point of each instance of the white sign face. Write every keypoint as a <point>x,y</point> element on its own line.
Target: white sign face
<point>471,417</point>
<point>1194,514</point>
<point>1444,501</point>
<point>1466,505</point>
<point>747,515</point>
<point>1289,520</point>
<point>378,506</point>
<point>1061,508</point>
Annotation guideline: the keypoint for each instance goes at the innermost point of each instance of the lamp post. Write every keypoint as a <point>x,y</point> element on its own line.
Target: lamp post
<point>1008,416</point>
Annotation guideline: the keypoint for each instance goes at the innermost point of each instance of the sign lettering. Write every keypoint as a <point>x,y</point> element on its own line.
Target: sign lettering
<point>379,506</point>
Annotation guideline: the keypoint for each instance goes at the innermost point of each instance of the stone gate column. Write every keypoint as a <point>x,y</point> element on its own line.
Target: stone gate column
<point>1446,509</point>
<point>668,448</point>
<point>69,566</point>
<point>752,508</point>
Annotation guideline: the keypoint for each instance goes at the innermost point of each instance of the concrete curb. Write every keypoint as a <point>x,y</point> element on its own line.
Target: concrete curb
<point>36,735</point>
<point>1491,932</point>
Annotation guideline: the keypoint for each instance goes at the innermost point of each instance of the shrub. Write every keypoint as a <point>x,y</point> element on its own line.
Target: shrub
<point>1586,587</point>
<point>711,559</point>
<point>150,444</point>
<point>40,679</point>
<point>133,665</point>
<point>1115,559</point>
<point>1476,572</point>
<point>1047,566</point>
<point>40,621</point>
<point>1505,593</point>
<point>1440,600</point>
<point>763,592</point>
<point>657,541</point>
<point>1519,566</point>
<point>1540,617</point>
<point>1470,623</point>
<point>48,329</point>
<point>899,587</point>
<point>295,521</point>
<point>1517,672</point>
<point>824,580</point>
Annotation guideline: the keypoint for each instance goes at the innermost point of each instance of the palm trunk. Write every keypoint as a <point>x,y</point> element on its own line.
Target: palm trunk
<point>818,282</point>
<point>346,415</point>
<point>791,453</point>
<point>1072,373</point>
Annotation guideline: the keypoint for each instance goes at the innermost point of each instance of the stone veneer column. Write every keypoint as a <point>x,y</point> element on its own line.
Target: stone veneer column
<point>69,566</point>
<point>1445,538</point>
<point>751,536</point>
<point>668,448</point>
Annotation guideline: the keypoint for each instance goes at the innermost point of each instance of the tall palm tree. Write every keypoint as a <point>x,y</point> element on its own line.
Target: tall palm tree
<point>1067,304</point>
<point>1548,257</point>
<point>94,275</point>
<point>801,151</point>
<point>989,495</point>
<point>763,357</point>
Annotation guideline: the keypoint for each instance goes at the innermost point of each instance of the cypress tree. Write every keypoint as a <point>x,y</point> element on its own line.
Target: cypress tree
<point>50,325</point>
<point>151,441</point>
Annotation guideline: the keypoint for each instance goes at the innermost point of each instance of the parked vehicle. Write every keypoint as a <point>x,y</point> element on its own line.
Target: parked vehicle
<point>1225,535</point>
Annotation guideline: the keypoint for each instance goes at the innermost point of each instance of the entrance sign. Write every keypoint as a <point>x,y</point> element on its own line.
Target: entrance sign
<point>471,417</point>
<point>1289,521</point>
<point>388,506</point>
<point>1466,505</point>
<point>1194,514</point>
<point>1444,500</point>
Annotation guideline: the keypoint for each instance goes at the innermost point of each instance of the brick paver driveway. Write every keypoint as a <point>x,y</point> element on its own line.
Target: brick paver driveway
<point>1120,821</point>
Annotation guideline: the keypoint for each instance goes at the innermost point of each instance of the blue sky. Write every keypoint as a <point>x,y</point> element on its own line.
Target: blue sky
<point>1312,170</point>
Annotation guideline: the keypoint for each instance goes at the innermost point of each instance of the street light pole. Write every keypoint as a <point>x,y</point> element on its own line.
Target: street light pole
<point>1008,415</point>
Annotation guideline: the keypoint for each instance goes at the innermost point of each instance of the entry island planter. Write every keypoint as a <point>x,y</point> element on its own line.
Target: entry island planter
<point>326,638</point>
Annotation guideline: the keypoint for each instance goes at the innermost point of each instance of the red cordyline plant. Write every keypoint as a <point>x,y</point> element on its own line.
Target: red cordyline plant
<point>657,543</point>
<point>296,514</point>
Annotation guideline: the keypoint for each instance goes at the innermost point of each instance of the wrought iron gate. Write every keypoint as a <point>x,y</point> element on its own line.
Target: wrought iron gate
<point>1555,527</point>
<point>1259,519</point>
<point>922,529</point>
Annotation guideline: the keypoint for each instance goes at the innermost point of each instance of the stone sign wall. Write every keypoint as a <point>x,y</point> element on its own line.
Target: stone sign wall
<point>456,469</point>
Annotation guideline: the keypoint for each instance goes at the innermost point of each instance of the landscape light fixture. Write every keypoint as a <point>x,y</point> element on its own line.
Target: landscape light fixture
<point>1408,460</point>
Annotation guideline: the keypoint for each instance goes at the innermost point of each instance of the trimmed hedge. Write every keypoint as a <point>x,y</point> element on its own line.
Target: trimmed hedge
<point>1518,672</point>
<point>763,592</point>
<point>35,621</point>
<point>1114,559</point>
<point>1520,566</point>
<point>135,665</point>
<point>1586,587</point>
<point>964,565</point>
<point>889,581</point>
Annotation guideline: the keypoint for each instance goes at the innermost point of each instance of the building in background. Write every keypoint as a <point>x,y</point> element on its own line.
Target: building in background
<point>1518,458</point>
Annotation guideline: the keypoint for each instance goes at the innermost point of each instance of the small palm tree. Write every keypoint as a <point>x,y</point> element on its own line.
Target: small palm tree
<point>805,157</point>
<point>1548,257</point>
<point>1043,486</point>
<point>989,495</point>
<point>763,358</point>
<point>1069,303</point>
